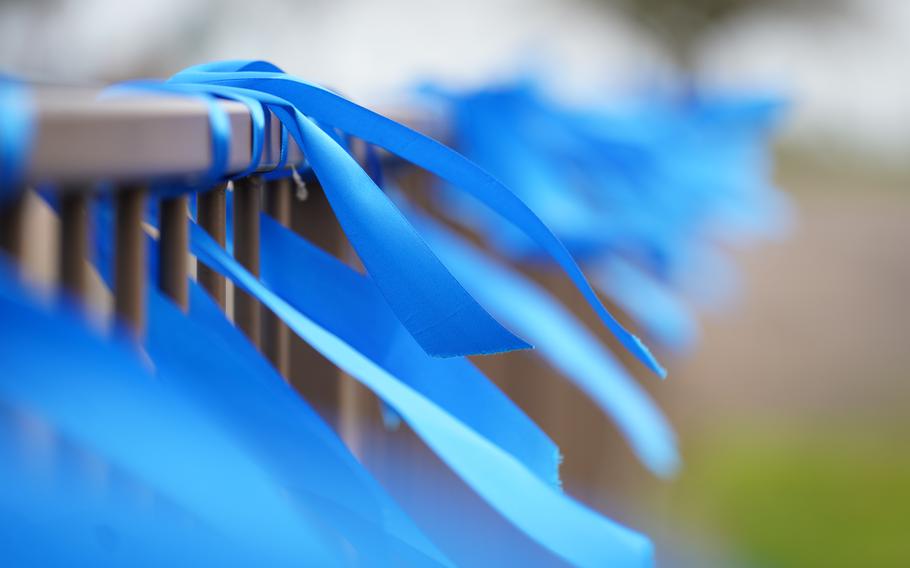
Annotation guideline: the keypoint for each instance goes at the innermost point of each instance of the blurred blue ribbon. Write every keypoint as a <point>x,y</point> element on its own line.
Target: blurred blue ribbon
<point>636,192</point>
<point>554,520</point>
<point>97,394</point>
<point>292,98</point>
<point>562,340</point>
<point>267,418</point>
<point>430,303</point>
<point>16,133</point>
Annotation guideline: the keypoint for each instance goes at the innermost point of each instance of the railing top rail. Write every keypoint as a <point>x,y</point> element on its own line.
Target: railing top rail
<point>81,138</point>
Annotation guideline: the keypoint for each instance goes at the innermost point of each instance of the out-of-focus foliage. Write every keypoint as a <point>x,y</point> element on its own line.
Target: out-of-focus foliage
<point>803,497</point>
<point>679,25</point>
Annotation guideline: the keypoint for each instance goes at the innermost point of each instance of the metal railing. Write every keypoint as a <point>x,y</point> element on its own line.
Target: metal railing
<point>86,146</point>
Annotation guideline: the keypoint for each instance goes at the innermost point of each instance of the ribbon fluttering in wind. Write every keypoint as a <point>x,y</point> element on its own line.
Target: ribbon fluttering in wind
<point>430,303</point>
<point>16,125</point>
<point>462,416</point>
<point>639,192</point>
<point>271,422</point>
<point>297,99</point>
<point>554,520</point>
<point>562,340</point>
<point>197,417</point>
<point>98,395</point>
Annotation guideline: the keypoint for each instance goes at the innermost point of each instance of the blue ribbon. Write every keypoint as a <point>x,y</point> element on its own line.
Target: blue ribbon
<point>279,429</point>
<point>636,193</point>
<point>436,396</point>
<point>253,403</point>
<point>664,316</point>
<point>98,395</point>
<point>431,304</point>
<point>562,340</point>
<point>348,305</point>
<point>557,522</point>
<point>333,110</point>
<point>16,132</point>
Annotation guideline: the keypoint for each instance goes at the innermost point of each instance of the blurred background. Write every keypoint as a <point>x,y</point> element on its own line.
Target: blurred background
<point>792,410</point>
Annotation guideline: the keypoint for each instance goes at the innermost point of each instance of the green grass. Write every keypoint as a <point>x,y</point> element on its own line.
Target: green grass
<point>803,497</point>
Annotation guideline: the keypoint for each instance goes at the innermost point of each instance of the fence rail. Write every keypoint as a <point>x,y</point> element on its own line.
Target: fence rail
<point>81,137</point>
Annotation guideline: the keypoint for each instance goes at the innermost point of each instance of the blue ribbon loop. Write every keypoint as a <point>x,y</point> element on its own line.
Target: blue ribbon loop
<point>430,303</point>
<point>326,107</point>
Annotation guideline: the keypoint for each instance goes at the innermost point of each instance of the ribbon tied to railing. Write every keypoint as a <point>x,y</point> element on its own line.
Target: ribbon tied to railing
<point>429,302</point>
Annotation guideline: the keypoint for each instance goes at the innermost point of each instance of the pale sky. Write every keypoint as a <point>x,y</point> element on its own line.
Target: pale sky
<point>848,78</point>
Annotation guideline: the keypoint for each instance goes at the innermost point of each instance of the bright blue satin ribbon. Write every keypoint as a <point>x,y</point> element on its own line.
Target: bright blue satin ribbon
<point>663,316</point>
<point>91,511</point>
<point>268,418</point>
<point>284,434</point>
<point>16,132</point>
<point>635,193</point>
<point>554,520</point>
<point>310,453</point>
<point>282,169</point>
<point>97,394</point>
<point>328,108</point>
<point>562,340</point>
<point>431,304</point>
<point>348,305</point>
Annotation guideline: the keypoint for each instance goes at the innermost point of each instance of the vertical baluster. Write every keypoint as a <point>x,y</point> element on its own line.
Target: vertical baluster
<point>74,244</point>
<point>172,250</point>
<point>311,375</point>
<point>247,192</point>
<point>12,219</point>
<point>130,258</point>
<point>210,212</point>
<point>341,400</point>
<point>275,334</point>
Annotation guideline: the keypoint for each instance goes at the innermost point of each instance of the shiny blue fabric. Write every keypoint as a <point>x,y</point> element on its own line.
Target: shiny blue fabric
<point>98,395</point>
<point>348,305</point>
<point>637,190</point>
<point>669,321</point>
<point>430,303</point>
<point>267,418</point>
<point>562,340</point>
<point>552,519</point>
<point>16,132</point>
<point>75,507</point>
<point>275,426</point>
<point>332,110</point>
<point>462,417</point>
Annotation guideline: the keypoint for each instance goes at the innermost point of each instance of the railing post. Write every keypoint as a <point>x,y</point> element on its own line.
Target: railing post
<point>12,218</point>
<point>173,242</point>
<point>74,245</point>
<point>312,376</point>
<point>211,214</point>
<point>275,334</point>
<point>130,258</point>
<point>247,195</point>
